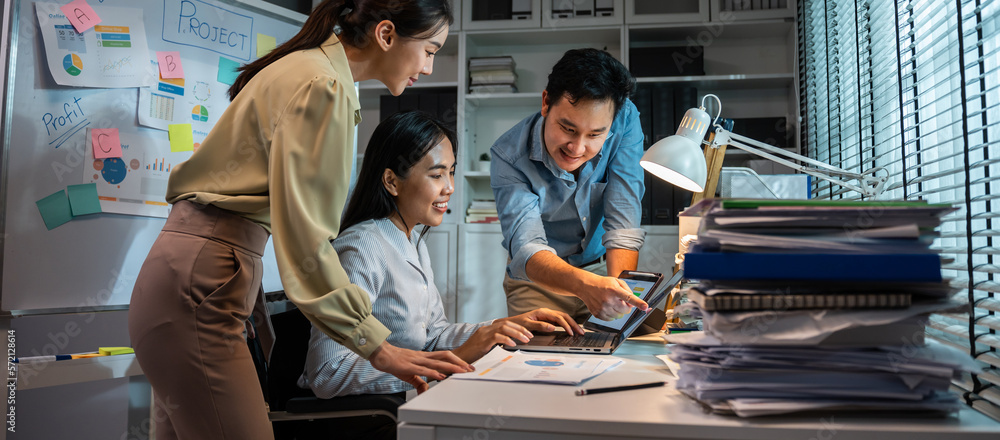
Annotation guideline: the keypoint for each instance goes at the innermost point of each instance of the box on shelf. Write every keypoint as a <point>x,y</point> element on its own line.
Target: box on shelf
<point>443,105</point>
<point>520,9</point>
<point>667,61</point>
<point>772,131</point>
<point>604,8</point>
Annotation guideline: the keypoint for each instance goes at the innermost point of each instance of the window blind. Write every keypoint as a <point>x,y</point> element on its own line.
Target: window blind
<point>914,86</point>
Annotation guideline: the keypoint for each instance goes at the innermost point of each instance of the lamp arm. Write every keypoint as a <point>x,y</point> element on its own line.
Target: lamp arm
<point>870,185</point>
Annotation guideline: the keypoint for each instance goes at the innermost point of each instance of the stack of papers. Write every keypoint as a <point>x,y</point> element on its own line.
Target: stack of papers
<point>761,380</point>
<point>482,211</point>
<point>492,75</point>
<point>561,369</point>
<point>811,305</point>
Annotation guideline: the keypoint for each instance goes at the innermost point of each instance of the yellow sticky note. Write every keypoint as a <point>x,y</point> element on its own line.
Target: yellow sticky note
<point>111,351</point>
<point>87,355</point>
<point>181,137</point>
<point>265,44</point>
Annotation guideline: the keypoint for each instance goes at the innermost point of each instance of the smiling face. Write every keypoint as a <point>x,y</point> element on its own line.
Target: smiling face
<point>422,197</point>
<point>575,133</point>
<point>405,59</point>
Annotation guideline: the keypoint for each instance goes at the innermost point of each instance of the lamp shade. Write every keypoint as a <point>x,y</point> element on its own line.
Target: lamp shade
<point>679,159</point>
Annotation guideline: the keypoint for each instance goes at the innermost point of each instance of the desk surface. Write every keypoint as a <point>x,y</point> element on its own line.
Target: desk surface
<point>52,373</point>
<point>467,409</point>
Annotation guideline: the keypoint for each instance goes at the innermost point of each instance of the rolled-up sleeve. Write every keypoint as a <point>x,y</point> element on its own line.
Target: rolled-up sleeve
<point>520,215</point>
<point>306,201</point>
<point>623,195</point>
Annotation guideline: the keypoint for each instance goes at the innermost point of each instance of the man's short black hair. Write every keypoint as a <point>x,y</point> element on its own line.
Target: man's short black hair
<point>590,74</point>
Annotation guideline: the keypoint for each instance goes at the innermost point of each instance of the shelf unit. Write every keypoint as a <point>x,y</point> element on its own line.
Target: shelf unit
<point>749,61</point>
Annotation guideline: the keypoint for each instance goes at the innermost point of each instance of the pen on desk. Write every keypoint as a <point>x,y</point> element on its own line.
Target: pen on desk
<point>585,392</point>
<point>58,357</point>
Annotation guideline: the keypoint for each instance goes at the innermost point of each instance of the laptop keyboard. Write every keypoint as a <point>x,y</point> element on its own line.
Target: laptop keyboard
<point>589,339</point>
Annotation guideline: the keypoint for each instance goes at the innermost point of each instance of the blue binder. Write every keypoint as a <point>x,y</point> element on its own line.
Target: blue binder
<point>839,267</point>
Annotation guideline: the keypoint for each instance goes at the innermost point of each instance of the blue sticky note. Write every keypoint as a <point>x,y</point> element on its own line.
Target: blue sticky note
<point>227,70</point>
<point>55,209</point>
<point>83,199</point>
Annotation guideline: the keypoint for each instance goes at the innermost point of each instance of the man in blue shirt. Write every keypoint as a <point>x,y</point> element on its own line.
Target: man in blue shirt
<point>568,186</point>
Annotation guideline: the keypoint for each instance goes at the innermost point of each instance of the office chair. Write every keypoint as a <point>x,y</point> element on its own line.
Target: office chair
<point>296,413</point>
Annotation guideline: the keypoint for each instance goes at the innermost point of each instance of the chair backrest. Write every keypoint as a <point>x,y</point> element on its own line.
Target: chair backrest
<point>288,358</point>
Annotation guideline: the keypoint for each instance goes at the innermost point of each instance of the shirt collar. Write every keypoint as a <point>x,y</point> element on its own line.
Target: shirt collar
<point>406,247</point>
<point>334,50</point>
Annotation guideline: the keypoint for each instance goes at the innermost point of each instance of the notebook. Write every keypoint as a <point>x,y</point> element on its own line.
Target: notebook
<point>604,337</point>
<point>782,302</point>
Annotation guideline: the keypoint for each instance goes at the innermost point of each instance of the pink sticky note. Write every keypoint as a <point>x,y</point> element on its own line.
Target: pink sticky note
<point>170,64</point>
<point>81,15</point>
<point>106,143</point>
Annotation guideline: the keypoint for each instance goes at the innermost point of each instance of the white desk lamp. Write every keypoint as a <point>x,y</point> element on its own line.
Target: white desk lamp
<point>679,159</point>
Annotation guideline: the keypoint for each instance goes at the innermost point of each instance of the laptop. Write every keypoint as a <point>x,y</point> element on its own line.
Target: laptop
<point>604,337</point>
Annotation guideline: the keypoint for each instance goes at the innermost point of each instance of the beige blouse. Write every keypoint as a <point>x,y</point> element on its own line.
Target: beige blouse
<point>281,156</point>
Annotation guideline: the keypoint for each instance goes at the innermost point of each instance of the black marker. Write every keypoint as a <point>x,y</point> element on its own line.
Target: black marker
<point>621,388</point>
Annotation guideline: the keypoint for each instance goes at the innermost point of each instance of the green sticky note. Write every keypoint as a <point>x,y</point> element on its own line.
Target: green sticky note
<point>55,209</point>
<point>181,137</point>
<point>265,44</point>
<point>83,199</point>
<point>111,351</point>
<point>227,70</point>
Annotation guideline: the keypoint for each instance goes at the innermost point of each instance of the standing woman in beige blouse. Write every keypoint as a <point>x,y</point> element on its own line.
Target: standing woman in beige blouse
<point>278,161</point>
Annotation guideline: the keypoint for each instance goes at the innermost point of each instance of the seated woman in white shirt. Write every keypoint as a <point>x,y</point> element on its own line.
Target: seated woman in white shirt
<point>406,180</point>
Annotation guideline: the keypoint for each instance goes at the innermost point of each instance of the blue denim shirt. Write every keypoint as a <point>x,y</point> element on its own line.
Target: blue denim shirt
<point>543,207</point>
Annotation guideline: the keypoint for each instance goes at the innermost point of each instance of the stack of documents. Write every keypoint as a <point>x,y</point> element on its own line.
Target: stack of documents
<point>561,369</point>
<point>810,305</point>
<point>752,380</point>
<point>482,211</point>
<point>492,75</point>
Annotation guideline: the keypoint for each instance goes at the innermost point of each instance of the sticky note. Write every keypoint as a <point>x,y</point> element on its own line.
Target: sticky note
<point>106,143</point>
<point>111,351</point>
<point>83,199</point>
<point>181,137</point>
<point>55,209</point>
<point>86,355</point>
<point>170,64</point>
<point>80,15</point>
<point>227,71</point>
<point>265,44</point>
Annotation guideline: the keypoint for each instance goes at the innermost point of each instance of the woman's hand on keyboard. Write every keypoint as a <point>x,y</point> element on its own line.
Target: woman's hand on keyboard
<point>546,320</point>
<point>500,331</point>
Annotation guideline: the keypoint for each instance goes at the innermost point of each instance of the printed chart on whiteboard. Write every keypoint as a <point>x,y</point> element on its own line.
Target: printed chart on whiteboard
<point>135,182</point>
<point>196,99</point>
<point>111,55</point>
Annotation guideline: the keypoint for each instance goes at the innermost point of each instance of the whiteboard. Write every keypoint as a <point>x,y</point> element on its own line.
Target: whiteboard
<point>91,262</point>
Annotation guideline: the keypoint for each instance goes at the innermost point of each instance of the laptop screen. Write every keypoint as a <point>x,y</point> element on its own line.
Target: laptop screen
<point>642,288</point>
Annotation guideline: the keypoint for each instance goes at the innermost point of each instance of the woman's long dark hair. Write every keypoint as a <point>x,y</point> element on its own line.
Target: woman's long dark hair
<point>398,143</point>
<point>357,20</point>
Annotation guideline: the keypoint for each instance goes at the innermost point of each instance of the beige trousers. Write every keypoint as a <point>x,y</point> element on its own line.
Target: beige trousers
<point>525,296</point>
<point>193,294</point>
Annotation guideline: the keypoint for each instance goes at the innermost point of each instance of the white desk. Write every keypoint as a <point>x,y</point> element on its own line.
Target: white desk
<point>47,374</point>
<point>459,409</point>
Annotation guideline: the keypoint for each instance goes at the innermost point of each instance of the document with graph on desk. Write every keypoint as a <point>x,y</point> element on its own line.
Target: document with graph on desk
<point>552,368</point>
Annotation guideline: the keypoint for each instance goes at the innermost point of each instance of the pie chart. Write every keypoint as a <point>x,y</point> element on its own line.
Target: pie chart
<point>199,113</point>
<point>114,170</point>
<point>73,64</point>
